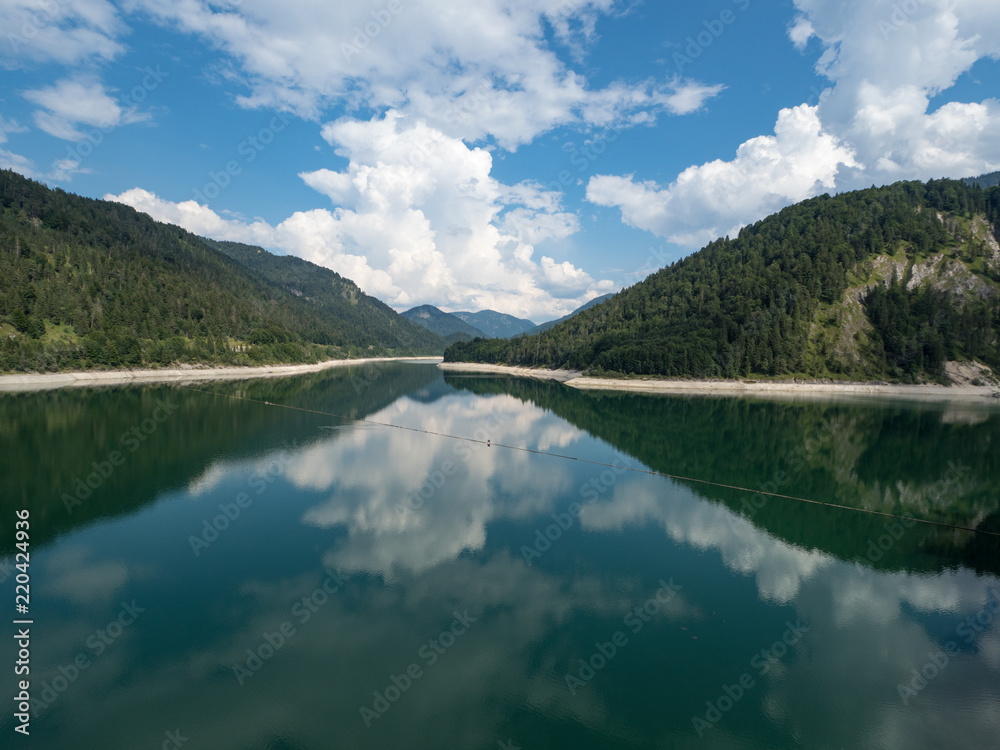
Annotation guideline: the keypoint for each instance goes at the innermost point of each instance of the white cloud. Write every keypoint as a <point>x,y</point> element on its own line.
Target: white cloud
<point>75,101</point>
<point>714,199</point>
<point>9,126</point>
<point>74,576</point>
<point>67,31</point>
<point>64,169</point>
<point>622,105</point>
<point>473,71</point>
<point>8,159</point>
<point>57,127</point>
<point>531,227</point>
<point>887,62</point>
<point>800,32</point>
<point>416,216</point>
<point>690,97</point>
<point>20,164</point>
<point>417,219</point>
<point>877,122</point>
<point>196,218</point>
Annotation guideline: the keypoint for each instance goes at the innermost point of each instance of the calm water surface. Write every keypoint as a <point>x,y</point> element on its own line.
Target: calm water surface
<point>242,575</point>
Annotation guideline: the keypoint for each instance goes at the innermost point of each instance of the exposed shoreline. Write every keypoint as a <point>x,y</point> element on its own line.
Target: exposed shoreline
<point>49,380</point>
<point>769,389</point>
<point>773,389</point>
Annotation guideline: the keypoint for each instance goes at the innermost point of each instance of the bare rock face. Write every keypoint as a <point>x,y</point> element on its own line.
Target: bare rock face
<point>969,373</point>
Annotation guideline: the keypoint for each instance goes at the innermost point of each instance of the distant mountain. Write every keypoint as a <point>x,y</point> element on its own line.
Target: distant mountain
<point>898,283</point>
<point>442,323</point>
<point>552,323</point>
<point>90,283</point>
<point>457,336</point>
<point>991,179</point>
<point>496,324</point>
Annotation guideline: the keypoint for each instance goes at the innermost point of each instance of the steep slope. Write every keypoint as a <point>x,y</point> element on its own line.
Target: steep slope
<point>331,294</point>
<point>796,294</point>
<point>87,283</point>
<point>553,323</point>
<point>441,323</point>
<point>495,324</point>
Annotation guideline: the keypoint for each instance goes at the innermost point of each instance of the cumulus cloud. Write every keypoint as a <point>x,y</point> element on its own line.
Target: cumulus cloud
<point>713,199</point>
<point>417,218</point>
<point>887,62</point>
<point>876,123</point>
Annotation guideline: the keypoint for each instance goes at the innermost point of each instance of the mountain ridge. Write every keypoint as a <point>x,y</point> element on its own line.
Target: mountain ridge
<point>495,324</point>
<point>87,283</point>
<point>442,323</point>
<point>884,283</point>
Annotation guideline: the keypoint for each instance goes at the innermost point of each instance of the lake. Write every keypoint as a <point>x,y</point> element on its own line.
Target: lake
<point>212,571</point>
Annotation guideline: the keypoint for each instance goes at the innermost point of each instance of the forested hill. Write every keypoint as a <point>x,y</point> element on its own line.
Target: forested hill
<point>884,283</point>
<point>358,315</point>
<point>90,283</point>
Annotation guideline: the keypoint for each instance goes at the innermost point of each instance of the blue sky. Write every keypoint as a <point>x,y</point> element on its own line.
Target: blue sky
<point>520,156</point>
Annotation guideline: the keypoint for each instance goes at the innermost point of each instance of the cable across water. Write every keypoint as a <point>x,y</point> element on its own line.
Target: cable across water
<point>651,472</point>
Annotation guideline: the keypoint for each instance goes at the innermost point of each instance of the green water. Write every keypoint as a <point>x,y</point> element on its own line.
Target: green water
<point>241,575</point>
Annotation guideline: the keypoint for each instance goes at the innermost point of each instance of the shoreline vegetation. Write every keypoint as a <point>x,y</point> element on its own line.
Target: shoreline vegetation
<point>50,380</point>
<point>980,394</point>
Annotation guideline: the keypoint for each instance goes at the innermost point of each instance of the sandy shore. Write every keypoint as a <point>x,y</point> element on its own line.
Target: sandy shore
<point>772,389</point>
<point>44,381</point>
<point>563,376</point>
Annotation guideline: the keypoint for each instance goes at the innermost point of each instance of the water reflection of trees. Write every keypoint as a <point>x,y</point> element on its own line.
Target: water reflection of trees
<point>50,439</point>
<point>921,460</point>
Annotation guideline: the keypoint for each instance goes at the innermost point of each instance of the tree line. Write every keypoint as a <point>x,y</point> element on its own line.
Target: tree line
<point>746,306</point>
